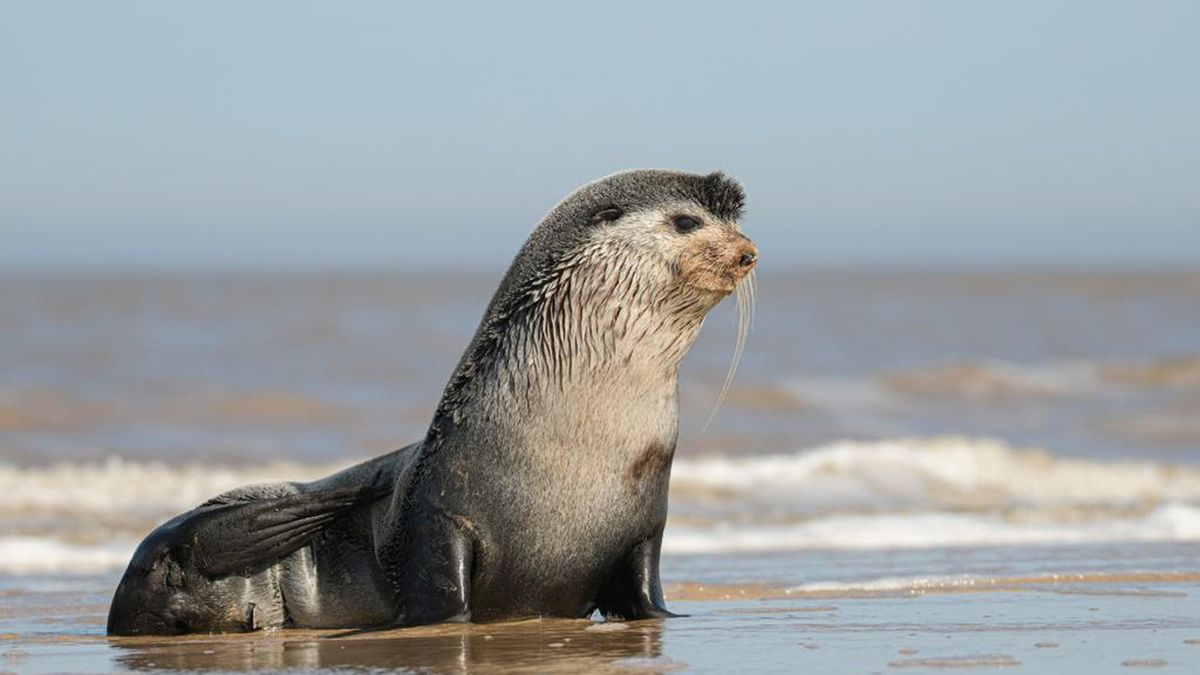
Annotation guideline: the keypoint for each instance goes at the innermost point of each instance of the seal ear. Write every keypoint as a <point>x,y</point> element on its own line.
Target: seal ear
<point>607,214</point>
<point>228,538</point>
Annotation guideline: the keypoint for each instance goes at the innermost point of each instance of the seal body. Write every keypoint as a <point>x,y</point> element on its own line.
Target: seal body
<point>540,488</point>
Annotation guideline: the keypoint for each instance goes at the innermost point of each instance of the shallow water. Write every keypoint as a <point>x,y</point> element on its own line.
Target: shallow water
<point>978,460</point>
<point>316,368</point>
<point>1031,620</point>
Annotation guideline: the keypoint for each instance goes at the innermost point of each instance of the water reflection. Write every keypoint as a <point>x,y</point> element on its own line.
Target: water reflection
<point>558,645</point>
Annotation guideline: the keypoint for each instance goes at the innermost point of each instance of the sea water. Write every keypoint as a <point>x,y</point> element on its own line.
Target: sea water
<point>886,433</point>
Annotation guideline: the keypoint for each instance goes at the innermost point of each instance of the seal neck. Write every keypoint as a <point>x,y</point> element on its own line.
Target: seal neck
<point>582,334</point>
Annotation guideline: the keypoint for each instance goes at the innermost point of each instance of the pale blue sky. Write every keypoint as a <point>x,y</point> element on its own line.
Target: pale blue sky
<point>185,135</point>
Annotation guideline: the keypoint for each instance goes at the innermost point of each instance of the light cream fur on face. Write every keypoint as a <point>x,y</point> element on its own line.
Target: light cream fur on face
<point>707,262</point>
<point>636,294</point>
<point>623,310</point>
<point>706,259</point>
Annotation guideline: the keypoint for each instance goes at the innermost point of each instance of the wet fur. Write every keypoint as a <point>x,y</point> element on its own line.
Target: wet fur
<point>541,485</point>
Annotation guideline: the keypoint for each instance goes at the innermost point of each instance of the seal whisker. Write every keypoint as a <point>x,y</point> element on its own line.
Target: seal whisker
<point>752,282</point>
<point>744,301</point>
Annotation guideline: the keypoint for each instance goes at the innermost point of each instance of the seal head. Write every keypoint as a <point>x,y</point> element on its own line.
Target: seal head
<point>648,241</point>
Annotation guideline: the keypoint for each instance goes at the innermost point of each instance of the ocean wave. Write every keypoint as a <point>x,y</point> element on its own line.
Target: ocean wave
<point>117,485</point>
<point>49,555</point>
<point>998,379</point>
<point>901,493</point>
<point>937,473</point>
<point>1170,522</point>
<point>993,379</point>
<point>1176,372</point>
<point>967,583</point>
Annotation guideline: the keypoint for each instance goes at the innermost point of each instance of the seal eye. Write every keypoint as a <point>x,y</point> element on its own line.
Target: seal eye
<point>685,224</point>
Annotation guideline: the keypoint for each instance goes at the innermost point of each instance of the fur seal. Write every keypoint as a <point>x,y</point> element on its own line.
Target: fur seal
<point>540,488</point>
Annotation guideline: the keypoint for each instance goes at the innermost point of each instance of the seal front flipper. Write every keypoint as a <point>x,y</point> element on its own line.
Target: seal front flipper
<point>433,584</point>
<point>239,536</point>
<point>634,590</point>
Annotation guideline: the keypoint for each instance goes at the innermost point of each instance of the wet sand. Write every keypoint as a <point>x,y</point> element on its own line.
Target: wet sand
<point>1072,624</point>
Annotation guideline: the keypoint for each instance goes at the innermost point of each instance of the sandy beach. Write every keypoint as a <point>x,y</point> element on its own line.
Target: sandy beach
<point>1056,623</point>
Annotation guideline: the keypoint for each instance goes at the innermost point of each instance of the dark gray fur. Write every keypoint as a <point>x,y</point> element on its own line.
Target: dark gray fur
<point>540,488</point>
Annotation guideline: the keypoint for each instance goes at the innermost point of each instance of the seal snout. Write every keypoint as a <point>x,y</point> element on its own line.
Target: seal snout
<point>745,255</point>
<point>748,253</point>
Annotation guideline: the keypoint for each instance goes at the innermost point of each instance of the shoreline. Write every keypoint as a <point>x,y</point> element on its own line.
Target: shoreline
<point>1094,620</point>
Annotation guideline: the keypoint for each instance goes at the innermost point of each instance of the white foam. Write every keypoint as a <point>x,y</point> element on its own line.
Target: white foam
<point>47,555</point>
<point>911,584</point>
<point>118,485</point>
<point>969,582</point>
<point>1170,522</point>
<point>902,493</point>
<point>933,473</point>
<point>911,473</point>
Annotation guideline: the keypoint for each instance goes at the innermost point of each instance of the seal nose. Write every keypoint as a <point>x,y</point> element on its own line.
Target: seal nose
<point>749,254</point>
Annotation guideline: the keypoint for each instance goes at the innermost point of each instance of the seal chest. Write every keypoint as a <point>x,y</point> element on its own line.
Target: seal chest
<point>653,464</point>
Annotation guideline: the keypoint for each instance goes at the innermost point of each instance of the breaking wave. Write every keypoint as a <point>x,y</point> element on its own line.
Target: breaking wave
<point>905,493</point>
<point>1170,522</point>
<point>937,473</point>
